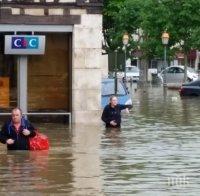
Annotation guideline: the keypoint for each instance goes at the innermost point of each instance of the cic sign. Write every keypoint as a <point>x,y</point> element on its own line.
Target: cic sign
<point>24,44</point>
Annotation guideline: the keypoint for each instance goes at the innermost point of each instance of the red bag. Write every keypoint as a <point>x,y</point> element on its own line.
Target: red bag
<point>39,142</point>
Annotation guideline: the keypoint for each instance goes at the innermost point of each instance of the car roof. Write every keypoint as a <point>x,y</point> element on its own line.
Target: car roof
<point>181,66</point>
<point>196,82</point>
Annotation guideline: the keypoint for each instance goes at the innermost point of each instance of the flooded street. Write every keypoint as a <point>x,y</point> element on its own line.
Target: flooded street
<point>157,152</point>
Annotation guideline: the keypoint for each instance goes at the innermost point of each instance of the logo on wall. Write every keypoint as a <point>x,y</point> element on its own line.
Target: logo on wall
<point>25,42</point>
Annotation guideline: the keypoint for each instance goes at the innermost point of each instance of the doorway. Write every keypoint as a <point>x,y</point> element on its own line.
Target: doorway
<point>48,76</point>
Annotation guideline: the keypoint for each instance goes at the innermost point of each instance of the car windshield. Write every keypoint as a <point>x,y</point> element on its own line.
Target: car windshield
<point>132,69</point>
<point>108,88</point>
<point>191,70</point>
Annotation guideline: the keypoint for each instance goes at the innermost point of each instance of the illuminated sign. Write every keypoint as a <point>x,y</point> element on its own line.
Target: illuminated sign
<point>24,44</point>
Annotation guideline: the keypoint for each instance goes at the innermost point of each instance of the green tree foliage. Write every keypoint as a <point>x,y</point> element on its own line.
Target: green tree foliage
<point>181,18</point>
<point>120,16</point>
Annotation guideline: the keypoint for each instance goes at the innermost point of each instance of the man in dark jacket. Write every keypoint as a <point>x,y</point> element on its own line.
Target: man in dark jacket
<point>16,132</point>
<point>112,113</point>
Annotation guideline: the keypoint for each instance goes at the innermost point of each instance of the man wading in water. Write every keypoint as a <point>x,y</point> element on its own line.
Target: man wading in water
<point>112,113</point>
<point>16,132</point>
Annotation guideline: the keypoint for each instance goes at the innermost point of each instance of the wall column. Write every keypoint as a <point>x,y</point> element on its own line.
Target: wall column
<point>86,70</point>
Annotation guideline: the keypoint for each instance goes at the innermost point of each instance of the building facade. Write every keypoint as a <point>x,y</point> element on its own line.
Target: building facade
<point>67,77</point>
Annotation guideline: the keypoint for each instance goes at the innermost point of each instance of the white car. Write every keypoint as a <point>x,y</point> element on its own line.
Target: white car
<point>175,74</point>
<point>132,73</point>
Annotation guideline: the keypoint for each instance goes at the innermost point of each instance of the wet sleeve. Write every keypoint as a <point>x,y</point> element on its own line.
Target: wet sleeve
<point>32,129</point>
<point>122,107</point>
<point>105,116</point>
<point>3,134</point>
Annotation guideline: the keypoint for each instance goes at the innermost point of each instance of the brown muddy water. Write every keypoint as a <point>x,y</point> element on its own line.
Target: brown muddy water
<point>156,152</point>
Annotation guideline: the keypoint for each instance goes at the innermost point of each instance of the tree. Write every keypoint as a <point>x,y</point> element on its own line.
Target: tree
<point>181,18</point>
<point>185,19</point>
<point>120,16</point>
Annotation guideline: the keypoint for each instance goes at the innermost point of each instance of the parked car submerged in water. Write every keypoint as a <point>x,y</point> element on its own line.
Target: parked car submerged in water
<point>108,89</point>
<point>190,89</point>
<point>175,74</point>
<point>132,73</point>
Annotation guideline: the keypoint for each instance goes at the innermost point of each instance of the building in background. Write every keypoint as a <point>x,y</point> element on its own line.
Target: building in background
<point>67,77</point>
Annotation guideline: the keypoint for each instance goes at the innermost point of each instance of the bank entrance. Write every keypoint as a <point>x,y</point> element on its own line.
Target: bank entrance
<point>37,83</point>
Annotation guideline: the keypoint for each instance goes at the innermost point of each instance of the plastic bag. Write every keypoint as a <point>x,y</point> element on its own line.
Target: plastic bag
<point>39,142</point>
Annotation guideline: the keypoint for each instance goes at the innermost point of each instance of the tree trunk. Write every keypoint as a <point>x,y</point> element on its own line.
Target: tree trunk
<point>143,73</point>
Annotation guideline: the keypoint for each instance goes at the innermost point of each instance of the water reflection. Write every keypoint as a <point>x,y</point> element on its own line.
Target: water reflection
<point>159,147</point>
<point>39,171</point>
<point>86,164</point>
<point>156,152</point>
<point>19,171</point>
<point>71,166</point>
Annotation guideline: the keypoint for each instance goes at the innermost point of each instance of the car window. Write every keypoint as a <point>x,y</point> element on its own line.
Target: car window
<point>108,88</point>
<point>175,70</point>
<point>171,70</point>
<point>179,70</point>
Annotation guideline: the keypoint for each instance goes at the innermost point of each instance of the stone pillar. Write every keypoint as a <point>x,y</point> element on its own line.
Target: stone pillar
<point>86,69</point>
<point>104,65</point>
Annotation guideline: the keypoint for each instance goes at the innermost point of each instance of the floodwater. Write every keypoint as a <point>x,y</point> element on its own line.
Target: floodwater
<point>156,152</point>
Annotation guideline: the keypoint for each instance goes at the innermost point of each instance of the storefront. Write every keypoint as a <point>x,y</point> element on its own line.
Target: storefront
<point>66,77</point>
<point>36,82</point>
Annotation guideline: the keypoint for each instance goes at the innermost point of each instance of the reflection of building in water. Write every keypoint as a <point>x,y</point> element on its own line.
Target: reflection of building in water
<point>35,172</point>
<point>86,163</point>
<point>20,169</point>
<point>70,67</point>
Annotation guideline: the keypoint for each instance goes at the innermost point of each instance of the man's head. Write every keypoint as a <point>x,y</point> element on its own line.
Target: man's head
<point>16,115</point>
<point>113,101</point>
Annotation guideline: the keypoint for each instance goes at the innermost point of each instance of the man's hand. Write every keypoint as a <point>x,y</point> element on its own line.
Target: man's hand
<point>26,132</point>
<point>113,123</point>
<point>10,141</point>
<point>127,111</point>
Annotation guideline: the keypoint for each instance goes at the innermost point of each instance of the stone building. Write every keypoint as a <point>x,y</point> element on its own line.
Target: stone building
<point>67,77</point>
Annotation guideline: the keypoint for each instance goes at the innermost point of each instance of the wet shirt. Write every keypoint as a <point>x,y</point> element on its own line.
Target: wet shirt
<point>21,142</point>
<point>109,114</point>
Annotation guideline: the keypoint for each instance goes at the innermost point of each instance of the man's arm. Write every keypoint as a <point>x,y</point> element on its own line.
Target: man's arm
<point>3,134</point>
<point>122,107</point>
<point>31,128</point>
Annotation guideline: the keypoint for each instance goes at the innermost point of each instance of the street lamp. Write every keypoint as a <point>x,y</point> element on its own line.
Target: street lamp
<point>165,40</point>
<point>125,40</point>
<point>116,72</point>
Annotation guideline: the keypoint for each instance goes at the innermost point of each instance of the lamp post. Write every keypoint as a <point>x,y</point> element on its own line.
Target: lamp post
<point>125,40</point>
<point>116,72</point>
<point>165,40</point>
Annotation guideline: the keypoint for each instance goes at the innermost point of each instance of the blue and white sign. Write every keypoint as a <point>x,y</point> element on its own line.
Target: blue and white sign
<point>24,44</point>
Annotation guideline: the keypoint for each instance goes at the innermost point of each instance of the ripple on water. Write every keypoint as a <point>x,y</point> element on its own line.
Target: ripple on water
<point>157,151</point>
